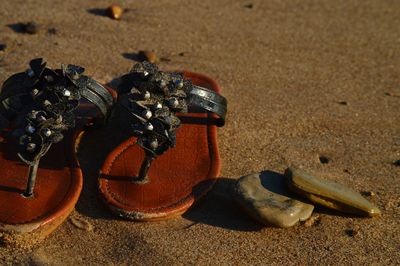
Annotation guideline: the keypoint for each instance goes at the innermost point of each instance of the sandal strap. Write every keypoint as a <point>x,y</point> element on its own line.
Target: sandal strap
<point>210,101</point>
<point>14,95</point>
<point>96,94</point>
<point>42,101</point>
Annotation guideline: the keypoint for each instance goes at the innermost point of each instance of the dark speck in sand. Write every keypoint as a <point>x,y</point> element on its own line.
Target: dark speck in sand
<point>352,232</point>
<point>323,159</point>
<point>52,31</point>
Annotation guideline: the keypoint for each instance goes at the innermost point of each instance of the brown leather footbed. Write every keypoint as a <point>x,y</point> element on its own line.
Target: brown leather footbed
<point>25,221</point>
<point>57,189</point>
<point>177,178</point>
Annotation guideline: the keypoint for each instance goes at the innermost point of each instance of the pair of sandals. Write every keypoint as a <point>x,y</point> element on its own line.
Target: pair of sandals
<point>43,113</point>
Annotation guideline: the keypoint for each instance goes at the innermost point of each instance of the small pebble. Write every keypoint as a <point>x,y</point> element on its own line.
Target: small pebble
<point>148,56</point>
<point>352,232</point>
<point>2,46</point>
<point>396,163</point>
<point>314,220</point>
<point>343,103</point>
<point>52,31</point>
<point>249,6</point>
<point>81,223</point>
<point>181,54</point>
<point>368,193</point>
<point>115,11</point>
<point>31,27</point>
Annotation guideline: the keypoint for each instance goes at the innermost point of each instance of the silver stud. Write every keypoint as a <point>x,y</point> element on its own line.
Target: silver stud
<point>32,114</point>
<point>173,102</point>
<point>158,106</point>
<point>47,132</point>
<point>153,144</point>
<point>179,84</point>
<point>149,126</point>
<point>30,129</point>
<point>31,147</point>
<point>30,73</point>
<point>147,114</point>
<point>34,92</point>
<point>66,93</point>
<point>145,73</point>
<point>146,95</point>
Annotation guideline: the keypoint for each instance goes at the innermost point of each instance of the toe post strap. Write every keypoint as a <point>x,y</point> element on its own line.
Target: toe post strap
<point>40,103</point>
<point>148,103</point>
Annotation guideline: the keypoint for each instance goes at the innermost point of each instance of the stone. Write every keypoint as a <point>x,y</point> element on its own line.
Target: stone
<point>149,56</point>
<point>31,27</point>
<point>368,193</point>
<point>314,220</point>
<point>115,11</point>
<point>329,193</point>
<point>2,46</point>
<point>264,197</point>
<point>81,223</point>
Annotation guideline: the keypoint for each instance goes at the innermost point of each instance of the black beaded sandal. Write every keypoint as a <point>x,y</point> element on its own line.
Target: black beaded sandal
<point>42,112</point>
<point>170,114</point>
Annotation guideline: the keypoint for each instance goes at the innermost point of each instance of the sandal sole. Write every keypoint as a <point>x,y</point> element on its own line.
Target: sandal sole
<point>178,178</point>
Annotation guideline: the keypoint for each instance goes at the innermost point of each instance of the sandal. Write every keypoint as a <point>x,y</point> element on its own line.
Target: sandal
<point>151,106</point>
<point>39,116</point>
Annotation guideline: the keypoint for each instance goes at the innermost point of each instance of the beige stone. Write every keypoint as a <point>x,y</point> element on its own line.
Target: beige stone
<point>329,193</point>
<point>264,197</point>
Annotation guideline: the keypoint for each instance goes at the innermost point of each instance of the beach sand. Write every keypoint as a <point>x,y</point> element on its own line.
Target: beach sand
<point>303,79</point>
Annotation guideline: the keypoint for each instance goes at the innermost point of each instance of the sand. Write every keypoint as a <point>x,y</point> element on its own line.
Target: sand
<point>284,66</point>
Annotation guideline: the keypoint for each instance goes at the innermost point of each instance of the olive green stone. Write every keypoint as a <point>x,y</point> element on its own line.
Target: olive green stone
<point>264,197</point>
<point>329,193</point>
